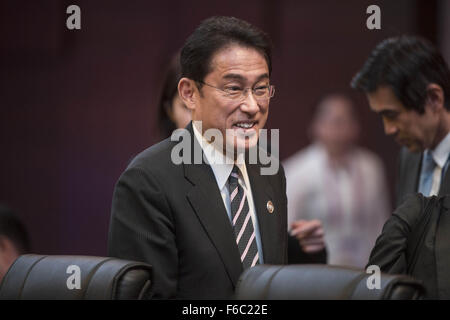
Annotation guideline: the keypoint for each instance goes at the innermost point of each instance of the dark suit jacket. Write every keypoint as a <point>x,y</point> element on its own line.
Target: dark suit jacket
<point>407,231</point>
<point>409,175</point>
<point>173,217</point>
<point>433,263</point>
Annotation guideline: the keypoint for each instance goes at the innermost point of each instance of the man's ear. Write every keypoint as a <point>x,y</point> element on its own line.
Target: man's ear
<point>6,245</point>
<point>187,91</point>
<point>8,254</point>
<point>435,97</point>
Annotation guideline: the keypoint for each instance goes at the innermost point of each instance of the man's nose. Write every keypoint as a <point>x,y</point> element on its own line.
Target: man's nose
<point>389,128</point>
<point>250,105</point>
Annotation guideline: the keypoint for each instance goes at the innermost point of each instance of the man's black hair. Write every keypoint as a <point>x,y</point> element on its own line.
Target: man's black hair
<point>214,34</point>
<point>407,65</point>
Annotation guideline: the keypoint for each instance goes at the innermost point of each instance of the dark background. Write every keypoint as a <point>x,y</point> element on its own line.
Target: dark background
<point>76,106</point>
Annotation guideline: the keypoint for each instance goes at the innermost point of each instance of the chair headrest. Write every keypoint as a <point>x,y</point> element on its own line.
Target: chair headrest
<point>322,282</point>
<point>55,277</point>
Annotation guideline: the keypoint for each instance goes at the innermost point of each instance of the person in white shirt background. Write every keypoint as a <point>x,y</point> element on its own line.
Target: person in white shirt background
<point>338,183</point>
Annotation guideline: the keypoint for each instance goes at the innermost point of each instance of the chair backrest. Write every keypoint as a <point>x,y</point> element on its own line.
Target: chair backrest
<point>322,282</point>
<point>76,277</point>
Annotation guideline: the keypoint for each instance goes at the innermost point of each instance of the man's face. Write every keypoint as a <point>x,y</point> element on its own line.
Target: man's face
<point>234,67</point>
<point>415,131</point>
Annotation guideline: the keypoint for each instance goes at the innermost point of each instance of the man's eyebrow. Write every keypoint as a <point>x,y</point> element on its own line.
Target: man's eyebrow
<point>263,76</point>
<point>235,76</point>
<point>387,112</point>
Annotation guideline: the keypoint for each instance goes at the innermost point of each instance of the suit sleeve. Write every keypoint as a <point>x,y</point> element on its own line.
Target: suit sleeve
<point>390,248</point>
<point>141,229</point>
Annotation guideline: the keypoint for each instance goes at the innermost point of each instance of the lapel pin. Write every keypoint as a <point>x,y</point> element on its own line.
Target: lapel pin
<point>270,206</point>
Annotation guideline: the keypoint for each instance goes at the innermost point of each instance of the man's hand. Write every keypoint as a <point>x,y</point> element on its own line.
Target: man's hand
<point>309,234</point>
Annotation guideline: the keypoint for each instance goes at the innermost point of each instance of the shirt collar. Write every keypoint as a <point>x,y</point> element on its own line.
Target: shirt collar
<point>220,164</point>
<point>441,152</point>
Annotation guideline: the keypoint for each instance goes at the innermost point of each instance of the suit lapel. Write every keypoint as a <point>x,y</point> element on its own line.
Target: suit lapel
<point>410,174</point>
<point>445,184</point>
<point>207,203</point>
<point>414,162</point>
<point>262,193</point>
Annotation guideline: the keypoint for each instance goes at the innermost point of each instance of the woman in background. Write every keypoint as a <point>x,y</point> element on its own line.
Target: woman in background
<point>172,113</point>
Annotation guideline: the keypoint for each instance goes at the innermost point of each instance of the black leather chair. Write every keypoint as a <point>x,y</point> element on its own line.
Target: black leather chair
<point>46,277</point>
<point>322,282</point>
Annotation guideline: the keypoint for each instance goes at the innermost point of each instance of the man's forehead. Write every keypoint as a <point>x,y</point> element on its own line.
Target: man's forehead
<point>383,98</point>
<point>239,63</point>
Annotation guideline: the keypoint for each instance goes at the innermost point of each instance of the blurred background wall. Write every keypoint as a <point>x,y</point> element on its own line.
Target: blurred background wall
<point>76,106</point>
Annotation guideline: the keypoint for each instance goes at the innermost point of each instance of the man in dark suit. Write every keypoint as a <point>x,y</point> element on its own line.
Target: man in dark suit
<point>407,82</point>
<point>197,220</point>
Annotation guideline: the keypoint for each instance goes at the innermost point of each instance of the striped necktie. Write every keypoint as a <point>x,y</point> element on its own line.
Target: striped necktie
<point>242,221</point>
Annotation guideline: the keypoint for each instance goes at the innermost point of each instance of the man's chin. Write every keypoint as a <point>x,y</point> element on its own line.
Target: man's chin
<point>243,140</point>
<point>243,145</point>
<point>413,147</point>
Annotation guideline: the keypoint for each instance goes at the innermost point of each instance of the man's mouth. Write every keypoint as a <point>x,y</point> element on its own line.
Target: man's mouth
<point>245,124</point>
<point>402,141</point>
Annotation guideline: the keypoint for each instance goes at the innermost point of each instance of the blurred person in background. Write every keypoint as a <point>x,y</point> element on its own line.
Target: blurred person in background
<point>14,239</point>
<point>338,183</point>
<point>172,112</point>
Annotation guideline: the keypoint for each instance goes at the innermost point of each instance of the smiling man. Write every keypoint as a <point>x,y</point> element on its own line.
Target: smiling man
<point>233,97</point>
<point>201,224</point>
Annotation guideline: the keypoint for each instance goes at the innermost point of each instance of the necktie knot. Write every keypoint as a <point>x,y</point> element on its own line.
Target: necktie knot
<point>234,176</point>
